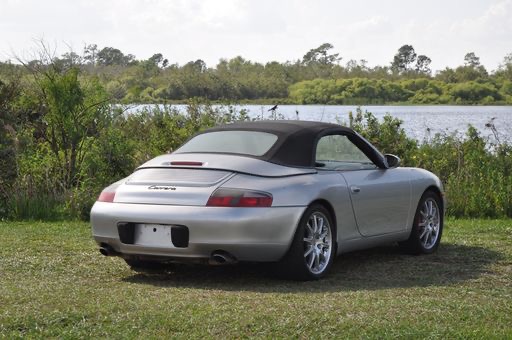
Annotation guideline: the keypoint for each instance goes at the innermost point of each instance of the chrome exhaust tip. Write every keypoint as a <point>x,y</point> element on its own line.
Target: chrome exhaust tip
<point>220,257</point>
<point>107,250</point>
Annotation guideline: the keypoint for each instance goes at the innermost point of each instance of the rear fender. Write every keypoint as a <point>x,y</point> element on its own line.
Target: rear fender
<point>303,191</point>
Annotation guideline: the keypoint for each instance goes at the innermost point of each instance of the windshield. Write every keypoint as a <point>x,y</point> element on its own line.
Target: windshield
<point>253,143</point>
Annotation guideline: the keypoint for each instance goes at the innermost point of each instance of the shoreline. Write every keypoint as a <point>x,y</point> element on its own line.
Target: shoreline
<point>280,103</point>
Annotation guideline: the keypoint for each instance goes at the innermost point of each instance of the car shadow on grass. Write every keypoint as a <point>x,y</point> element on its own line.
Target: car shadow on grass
<point>374,269</point>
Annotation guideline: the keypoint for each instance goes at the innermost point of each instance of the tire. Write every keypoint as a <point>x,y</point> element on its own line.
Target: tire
<point>142,266</point>
<point>427,226</point>
<point>313,246</point>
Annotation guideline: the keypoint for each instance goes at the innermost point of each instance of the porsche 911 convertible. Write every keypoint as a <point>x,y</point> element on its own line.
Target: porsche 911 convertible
<point>295,193</point>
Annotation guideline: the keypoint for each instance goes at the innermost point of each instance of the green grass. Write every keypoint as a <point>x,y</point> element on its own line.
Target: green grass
<point>54,283</point>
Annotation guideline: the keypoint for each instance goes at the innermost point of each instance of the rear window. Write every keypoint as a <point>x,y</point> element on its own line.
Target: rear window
<point>254,143</point>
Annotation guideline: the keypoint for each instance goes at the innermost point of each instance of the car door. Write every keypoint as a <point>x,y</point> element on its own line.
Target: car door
<point>380,197</point>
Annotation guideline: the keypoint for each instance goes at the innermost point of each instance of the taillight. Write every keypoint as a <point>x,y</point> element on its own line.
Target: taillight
<point>239,198</point>
<point>107,196</point>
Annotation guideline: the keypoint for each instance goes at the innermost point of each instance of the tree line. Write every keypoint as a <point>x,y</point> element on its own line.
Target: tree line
<point>319,77</point>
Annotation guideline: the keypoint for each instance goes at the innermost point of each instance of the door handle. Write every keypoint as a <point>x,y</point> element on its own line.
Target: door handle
<point>355,189</point>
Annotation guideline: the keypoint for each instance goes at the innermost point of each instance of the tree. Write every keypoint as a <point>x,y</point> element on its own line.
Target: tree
<point>112,56</point>
<point>318,63</point>
<point>320,55</point>
<point>473,92</point>
<point>158,60</point>
<point>69,60</point>
<point>505,68</point>
<point>356,68</point>
<point>70,110</point>
<point>91,54</point>
<point>403,59</point>
<point>472,70</point>
<point>423,64</point>
<point>152,66</point>
<point>73,112</point>
<point>198,65</point>
<point>507,60</point>
<point>470,59</point>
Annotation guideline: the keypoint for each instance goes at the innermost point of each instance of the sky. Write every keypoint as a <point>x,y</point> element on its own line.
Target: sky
<point>262,30</point>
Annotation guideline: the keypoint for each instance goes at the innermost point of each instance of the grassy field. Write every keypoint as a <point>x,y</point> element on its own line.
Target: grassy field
<point>54,283</point>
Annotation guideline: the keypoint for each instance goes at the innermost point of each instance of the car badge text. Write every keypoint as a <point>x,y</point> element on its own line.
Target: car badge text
<point>161,187</point>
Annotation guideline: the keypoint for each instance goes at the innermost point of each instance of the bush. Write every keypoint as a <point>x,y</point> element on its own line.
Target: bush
<point>388,136</point>
<point>473,92</point>
<point>476,172</point>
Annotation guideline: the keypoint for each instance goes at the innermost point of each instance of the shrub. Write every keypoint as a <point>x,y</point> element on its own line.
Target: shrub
<point>476,172</point>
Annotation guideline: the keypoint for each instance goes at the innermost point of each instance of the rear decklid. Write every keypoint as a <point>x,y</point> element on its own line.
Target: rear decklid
<point>170,186</point>
<point>190,179</point>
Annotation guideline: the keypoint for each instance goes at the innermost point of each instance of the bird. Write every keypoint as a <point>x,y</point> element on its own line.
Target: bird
<point>490,123</point>
<point>273,108</point>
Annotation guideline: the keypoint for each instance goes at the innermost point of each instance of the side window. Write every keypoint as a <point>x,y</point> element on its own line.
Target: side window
<point>337,152</point>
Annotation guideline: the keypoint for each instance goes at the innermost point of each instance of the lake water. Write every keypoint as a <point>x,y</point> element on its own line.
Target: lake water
<point>418,121</point>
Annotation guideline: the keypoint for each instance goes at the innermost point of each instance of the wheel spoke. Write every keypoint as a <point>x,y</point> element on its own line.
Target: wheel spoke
<point>317,261</point>
<point>311,231</point>
<point>321,257</point>
<point>315,224</point>
<point>423,233</point>
<point>320,224</point>
<point>310,264</point>
<point>435,233</point>
<point>310,249</point>
<point>430,238</point>
<point>425,240</point>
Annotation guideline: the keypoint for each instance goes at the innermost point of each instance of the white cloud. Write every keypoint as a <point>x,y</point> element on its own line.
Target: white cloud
<point>265,30</point>
<point>495,22</point>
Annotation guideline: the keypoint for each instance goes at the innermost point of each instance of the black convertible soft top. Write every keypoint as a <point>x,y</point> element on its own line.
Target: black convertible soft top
<point>296,143</point>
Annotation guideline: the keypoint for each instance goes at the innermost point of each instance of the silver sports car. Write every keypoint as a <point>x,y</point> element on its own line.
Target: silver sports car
<point>292,192</point>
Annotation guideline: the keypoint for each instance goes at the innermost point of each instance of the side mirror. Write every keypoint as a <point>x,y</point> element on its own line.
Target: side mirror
<point>392,160</point>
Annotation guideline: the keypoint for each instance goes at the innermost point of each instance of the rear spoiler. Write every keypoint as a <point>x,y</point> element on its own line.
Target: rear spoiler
<point>240,164</point>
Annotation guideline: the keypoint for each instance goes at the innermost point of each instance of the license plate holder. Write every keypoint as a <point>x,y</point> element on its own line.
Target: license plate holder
<point>155,235</point>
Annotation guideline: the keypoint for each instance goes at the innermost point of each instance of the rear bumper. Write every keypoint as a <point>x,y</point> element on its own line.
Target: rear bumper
<point>249,234</point>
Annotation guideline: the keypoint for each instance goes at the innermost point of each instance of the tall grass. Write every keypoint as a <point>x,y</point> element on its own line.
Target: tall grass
<point>36,197</point>
<point>42,207</point>
<point>476,171</point>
